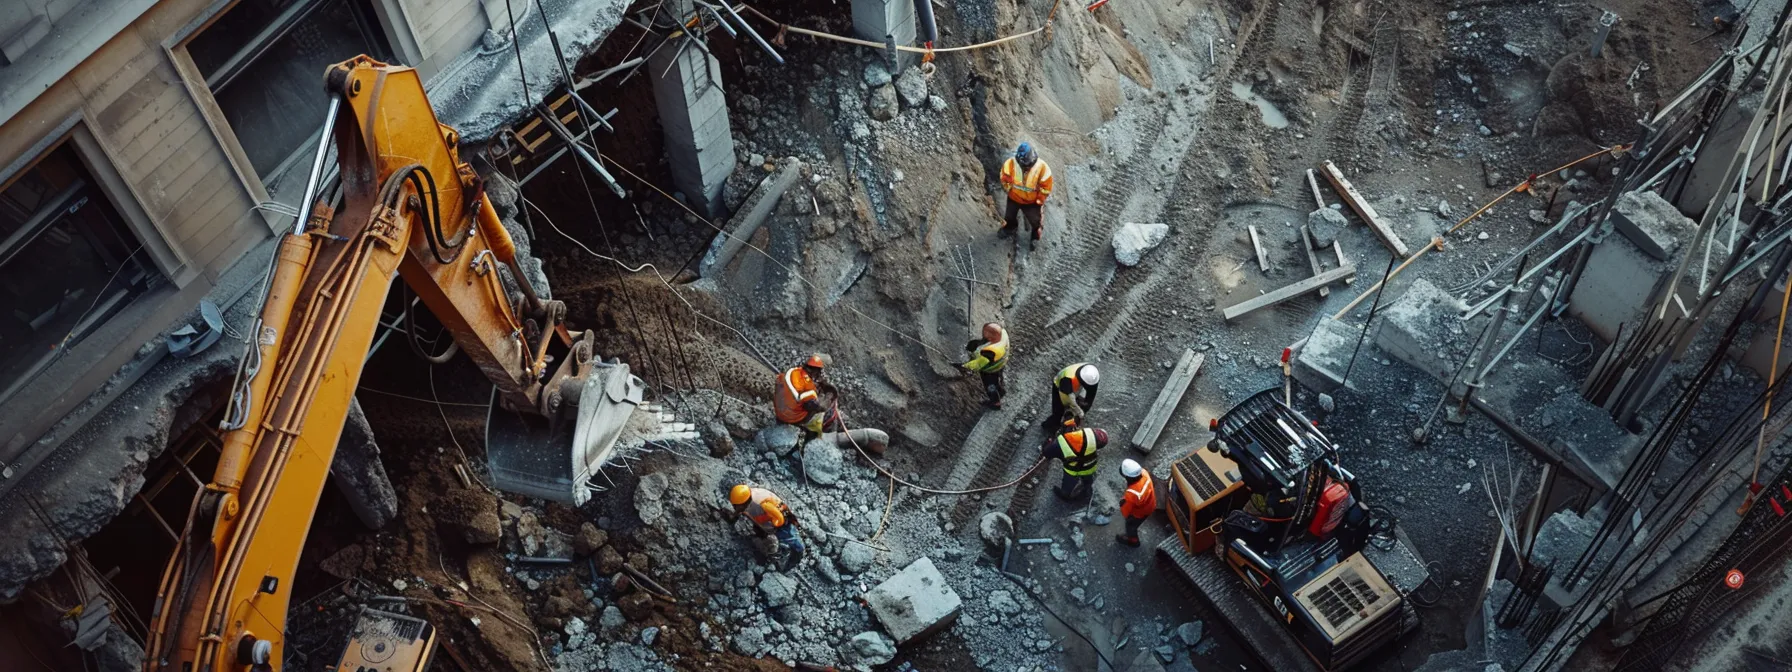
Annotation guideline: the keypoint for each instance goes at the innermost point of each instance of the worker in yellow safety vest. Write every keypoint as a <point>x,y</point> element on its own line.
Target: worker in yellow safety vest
<point>1029,182</point>
<point>1077,448</point>
<point>770,516</point>
<point>797,399</point>
<point>992,357</point>
<point>1073,392</point>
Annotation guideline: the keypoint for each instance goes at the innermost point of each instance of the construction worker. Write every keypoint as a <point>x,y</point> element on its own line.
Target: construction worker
<point>1029,182</point>
<point>770,516</point>
<point>1073,392</point>
<point>1076,447</point>
<point>1139,501</point>
<point>795,398</point>
<point>992,357</point>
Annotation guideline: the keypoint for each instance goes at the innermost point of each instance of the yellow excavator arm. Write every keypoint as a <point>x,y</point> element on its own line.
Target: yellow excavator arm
<point>409,207</point>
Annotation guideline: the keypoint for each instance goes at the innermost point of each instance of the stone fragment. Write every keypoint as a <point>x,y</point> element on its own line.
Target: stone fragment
<point>1133,239</point>
<point>915,602</point>
<point>994,528</point>
<point>589,539</point>
<point>1191,632</point>
<point>636,606</point>
<point>882,103</point>
<point>609,560</point>
<point>823,462</point>
<point>648,498</point>
<point>779,439</point>
<point>1003,601</point>
<point>1325,225</point>
<point>912,87</point>
<point>611,619</point>
<point>867,649</point>
<point>1326,402</point>
<point>777,589</point>
<point>855,558</point>
<point>876,74</point>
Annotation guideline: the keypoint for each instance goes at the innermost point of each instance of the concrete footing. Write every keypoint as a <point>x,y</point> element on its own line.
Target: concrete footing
<point>359,474</point>
<point>881,20</point>
<point>687,87</point>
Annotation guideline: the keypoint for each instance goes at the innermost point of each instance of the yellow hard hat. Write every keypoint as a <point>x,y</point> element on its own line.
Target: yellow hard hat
<point>740,494</point>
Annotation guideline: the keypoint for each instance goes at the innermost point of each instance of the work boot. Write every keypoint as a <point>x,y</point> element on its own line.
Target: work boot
<point>1004,231</point>
<point>1038,232</point>
<point>1129,541</point>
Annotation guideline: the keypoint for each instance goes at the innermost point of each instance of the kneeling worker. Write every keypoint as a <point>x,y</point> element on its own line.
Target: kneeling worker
<point>1074,386</point>
<point>1077,448</point>
<point>795,398</point>
<point>1139,502</point>
<point>769,516</point>
<point>992,357</point>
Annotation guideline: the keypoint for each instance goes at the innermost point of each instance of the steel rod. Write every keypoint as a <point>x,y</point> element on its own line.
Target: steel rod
<point>317,165</point>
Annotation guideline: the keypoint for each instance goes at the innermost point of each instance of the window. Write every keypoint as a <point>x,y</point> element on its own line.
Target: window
<point>68,261</point>
<point>264,60</point>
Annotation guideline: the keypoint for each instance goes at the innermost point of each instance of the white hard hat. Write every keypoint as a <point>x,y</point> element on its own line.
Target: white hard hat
<point>1089,374</point>
<point>1129,468</point>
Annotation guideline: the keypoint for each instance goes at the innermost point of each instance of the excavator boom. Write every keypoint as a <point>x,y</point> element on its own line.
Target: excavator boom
<point>408,207</point>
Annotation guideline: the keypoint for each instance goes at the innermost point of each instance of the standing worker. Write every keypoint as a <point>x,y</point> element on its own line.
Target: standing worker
<point>769,516</point>
<point>1139,502</point>
<point>992,357</point>
<point>796,400</point>
<point>1028,181</point>
<point>1073,392</point>
<point>1077,448</point>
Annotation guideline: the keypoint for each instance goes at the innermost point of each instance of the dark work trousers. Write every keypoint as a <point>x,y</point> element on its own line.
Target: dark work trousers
<point>1034,215</point>
<point>1076,487</point>
<point>993,386</point>
<point>1132,527</point>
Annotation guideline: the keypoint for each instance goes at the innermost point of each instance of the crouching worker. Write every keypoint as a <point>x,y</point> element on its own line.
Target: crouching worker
<point>797,398</point>
<point>1077,448</point>
<point>770,516</point>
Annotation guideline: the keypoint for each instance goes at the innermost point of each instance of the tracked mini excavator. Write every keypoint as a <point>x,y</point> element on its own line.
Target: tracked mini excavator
<point>405,206</point>
<point>1266,512</point>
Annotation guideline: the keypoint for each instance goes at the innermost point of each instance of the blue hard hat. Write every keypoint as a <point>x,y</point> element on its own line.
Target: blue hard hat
<point>1025,150</point>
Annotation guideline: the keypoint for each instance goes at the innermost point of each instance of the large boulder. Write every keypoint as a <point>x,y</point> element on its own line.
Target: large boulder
<point>823,462</point>
<point>1132,240</point>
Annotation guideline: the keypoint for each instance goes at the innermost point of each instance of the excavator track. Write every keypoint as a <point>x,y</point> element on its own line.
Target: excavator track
<point>1268,640</point>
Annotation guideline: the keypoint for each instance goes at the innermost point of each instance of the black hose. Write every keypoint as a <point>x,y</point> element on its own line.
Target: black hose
<point>1067,625</point>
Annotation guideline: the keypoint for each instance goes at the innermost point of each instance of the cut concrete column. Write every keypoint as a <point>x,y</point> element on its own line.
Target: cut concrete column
<point>687,87</point>
<point>881,20</point>
<point>360,476</point>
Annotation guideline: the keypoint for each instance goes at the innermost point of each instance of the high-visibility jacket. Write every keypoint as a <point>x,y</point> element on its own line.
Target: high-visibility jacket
<point>1029,186</point>
<point>1077,447</point>
<point>991,357</point>
<point>795,391</point>
<point>765,509</point>
<point>1076,384</point>
<point>1140,498</point>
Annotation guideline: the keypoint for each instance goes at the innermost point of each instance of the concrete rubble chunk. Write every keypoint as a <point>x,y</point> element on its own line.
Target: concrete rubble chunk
<point>1652,223</point>
<point>855,558</point>
<point>876,74</point>
<point>914,603</point>
<point>779,439</point>
<point>1326,224</point>
<point>1190,633</point>
<point>882,103</point>
<point>1004,602</point>
<point>995,527</point>
<point>912,87</point>
<point>867,649</point>
<point>777,589</point>
<point>1133,239</point>
<point>1324,357</point>
<point>823,462</point>
<point>1416,329</point>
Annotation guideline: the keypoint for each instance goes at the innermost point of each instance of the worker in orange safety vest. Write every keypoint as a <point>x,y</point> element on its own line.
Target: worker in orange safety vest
<point>770,516</point>
<point>1029,182</point>
<point>796,397</point>
<point>1139,502</point>
<point>1077,448</point>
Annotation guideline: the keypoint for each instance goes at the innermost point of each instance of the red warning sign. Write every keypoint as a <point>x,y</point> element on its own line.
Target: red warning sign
<point>1733,579</point>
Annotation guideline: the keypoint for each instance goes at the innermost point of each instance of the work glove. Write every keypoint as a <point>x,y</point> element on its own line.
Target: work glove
<point>971,345</point>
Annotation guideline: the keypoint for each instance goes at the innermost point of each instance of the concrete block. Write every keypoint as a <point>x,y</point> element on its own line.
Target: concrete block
<point>875,19</point>
<point>1322,360</point>
<point>914,603</point>
<point>1617,285</point>
<point>694,118</point>
<point>1424,328</point>
<point>1652,223</point>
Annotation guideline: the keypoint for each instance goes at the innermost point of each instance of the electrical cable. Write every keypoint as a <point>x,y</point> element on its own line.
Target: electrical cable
<point>1067,625</point>
<point>1373,306</point>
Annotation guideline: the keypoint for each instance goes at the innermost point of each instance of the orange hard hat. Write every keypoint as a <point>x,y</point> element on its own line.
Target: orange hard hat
<point>817,361</point>
<point>740,494</point>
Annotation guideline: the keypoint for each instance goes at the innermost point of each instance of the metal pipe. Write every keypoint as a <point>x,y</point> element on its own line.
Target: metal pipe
<point>1522,330</point>
<point>555,127</point>
<point>754,33</point>
<point>317,166</point>
<point>930,33</point>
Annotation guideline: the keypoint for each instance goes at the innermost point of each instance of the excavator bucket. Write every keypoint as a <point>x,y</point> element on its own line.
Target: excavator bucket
<point>556,458</point>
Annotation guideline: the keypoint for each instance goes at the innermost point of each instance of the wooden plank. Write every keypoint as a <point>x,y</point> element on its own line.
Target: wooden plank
<point>1312,256</point>
<point>1257,244</point>
<point>1318,198</point>
<point>1361,207</point>
<point>1338,248</point>
<point>1287,292</point>
<point>1167,400</point>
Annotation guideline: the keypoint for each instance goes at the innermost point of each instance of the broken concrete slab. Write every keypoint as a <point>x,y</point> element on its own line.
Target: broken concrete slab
<point>748,219</point>
<point>1652,223</point>
<point>914,603</point>
<point>1424,329</point>
<point>1620,279</point>
<point>361,477</point>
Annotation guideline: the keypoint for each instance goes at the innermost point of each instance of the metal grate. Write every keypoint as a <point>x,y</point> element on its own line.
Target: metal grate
<point>1207,484</point>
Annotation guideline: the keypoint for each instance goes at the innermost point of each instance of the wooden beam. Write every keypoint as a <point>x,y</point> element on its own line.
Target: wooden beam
<point>1361,207</point>
<point>1257,244</point>
<point>1287,292</point>
<point>1339,249</point>
<point>1167,400</point>
<point>1318,199</point>
<point>1306,238</point>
